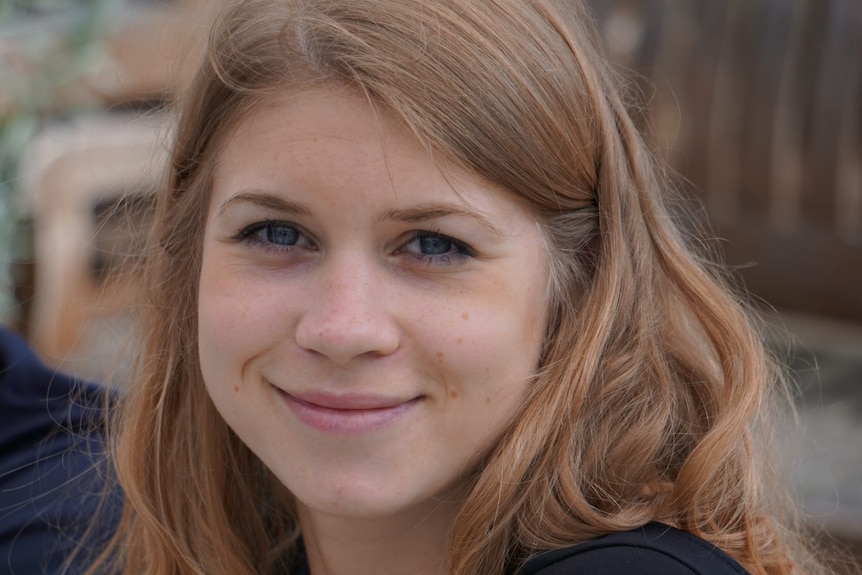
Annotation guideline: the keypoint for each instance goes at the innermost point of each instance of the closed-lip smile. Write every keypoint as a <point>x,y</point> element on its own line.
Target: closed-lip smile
<point>348,413</point>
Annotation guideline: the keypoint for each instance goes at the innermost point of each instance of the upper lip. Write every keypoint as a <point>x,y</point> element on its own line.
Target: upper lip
<point>350,401</point>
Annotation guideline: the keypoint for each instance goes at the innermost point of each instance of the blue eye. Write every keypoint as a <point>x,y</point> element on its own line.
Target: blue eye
<point>279,235</point>
<point>274,235</point>
<point>432,248</point>
<point>434,245</point>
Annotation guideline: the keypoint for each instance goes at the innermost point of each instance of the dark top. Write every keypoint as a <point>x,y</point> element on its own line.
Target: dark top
<point>654,549</point>
<point>52,464</point>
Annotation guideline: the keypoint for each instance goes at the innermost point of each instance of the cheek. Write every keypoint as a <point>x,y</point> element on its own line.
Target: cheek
<point>235,320</point>
<point>219,320</point>
<point>236,302</point>
<point>487,347</point>
<point>232,332</point>
<point>485,373</point>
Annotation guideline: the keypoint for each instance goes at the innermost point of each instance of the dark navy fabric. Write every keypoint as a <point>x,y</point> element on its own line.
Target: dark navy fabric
<point>654,549</point>
<point>52,465</point>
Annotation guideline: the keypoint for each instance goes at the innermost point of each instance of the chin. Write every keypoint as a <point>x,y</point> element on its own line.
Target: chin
<point>357,500</point>
<point>356,505</point>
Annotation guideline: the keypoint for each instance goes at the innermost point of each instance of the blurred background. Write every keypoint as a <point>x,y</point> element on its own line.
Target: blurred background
<point>756,104</point>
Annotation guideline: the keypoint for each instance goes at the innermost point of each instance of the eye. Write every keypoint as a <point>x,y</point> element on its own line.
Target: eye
<point>274,235</point>
<point>279,235</point>
<point>434,245</point>
<point>433,248</point>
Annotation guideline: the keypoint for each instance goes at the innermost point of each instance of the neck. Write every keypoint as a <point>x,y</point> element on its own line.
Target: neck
<point>411,543</point>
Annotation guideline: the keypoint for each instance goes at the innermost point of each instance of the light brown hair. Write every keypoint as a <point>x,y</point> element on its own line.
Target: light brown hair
<point>652,381</point>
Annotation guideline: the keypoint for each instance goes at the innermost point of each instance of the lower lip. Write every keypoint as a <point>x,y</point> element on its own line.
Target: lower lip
<point>346,421</point>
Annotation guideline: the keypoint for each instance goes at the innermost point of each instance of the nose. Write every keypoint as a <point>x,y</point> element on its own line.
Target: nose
<point>345,316</point>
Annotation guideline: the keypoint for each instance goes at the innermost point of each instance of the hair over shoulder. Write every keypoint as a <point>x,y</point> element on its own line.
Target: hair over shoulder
<point>654,385</point>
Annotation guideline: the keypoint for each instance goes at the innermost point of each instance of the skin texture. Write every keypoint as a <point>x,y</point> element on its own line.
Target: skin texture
<point>369,323</point>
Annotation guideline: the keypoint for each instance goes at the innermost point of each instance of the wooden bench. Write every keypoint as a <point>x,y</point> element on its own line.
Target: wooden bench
<point>758,104</point>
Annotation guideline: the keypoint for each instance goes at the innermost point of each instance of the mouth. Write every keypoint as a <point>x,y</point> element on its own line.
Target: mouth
<point>347,414</point>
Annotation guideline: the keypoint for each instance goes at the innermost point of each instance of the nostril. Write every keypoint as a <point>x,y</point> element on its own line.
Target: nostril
<point>341,337</point>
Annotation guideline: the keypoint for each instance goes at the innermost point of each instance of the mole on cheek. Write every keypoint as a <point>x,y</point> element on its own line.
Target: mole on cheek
<point>236,389</point>
<point>460,340</point>
<point>465,316</point>
<point>453,394</point>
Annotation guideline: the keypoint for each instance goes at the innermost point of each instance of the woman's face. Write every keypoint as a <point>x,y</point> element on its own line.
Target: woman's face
<point>368,322</point>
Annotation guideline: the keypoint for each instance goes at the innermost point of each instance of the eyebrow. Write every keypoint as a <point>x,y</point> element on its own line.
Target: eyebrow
<point>265,200</point>
<point>434,211</point>
<point>414,215</point>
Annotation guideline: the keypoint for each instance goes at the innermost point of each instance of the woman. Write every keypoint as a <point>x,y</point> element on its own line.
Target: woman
<point>417,306</point>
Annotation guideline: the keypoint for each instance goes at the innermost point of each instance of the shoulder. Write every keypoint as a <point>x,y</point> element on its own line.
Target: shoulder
<point>35,399</point>
<point>52,465</point>
<point>653,549</point>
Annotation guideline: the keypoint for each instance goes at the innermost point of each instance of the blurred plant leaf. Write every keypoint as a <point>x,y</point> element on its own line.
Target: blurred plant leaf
<point>45,47</point>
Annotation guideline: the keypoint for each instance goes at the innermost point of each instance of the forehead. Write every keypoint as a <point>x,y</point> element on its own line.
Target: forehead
<point>327,138</point>
<point>300,123</point>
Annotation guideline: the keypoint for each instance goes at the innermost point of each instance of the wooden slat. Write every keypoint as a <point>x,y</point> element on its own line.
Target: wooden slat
<point>759,103</point>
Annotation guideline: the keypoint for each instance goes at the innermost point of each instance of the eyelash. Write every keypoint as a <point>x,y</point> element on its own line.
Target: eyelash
<point>458,252</point>
<point>461,250</point>
<point>248,235</point>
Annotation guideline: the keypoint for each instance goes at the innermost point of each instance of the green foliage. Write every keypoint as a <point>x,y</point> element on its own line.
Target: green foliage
<point>46,46</point>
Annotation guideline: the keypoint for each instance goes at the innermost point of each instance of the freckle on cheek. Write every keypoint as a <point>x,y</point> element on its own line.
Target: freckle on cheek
<point>460,340</point>
<point>236,389</point>
<point>453,394</point>
<point>465,316</point>
<point>440,357</point>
